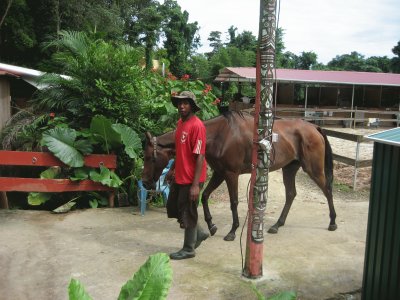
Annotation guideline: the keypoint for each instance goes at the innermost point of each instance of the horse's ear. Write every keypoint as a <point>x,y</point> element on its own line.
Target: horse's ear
<point>148,136</point>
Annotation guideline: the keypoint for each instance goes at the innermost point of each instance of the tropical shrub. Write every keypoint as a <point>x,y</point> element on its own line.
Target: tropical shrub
<point>70,146</point>
<point>160,108</point>
<point>151,281</point>
<point>97,78</point>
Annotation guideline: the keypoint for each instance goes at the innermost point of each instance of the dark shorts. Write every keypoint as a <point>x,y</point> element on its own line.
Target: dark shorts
<point>180,207</point>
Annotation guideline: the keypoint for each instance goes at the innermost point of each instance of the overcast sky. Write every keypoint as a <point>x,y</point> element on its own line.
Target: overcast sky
<point>327,27</point>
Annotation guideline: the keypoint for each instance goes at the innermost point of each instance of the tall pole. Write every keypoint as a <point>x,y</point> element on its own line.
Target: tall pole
<point>262,142</point>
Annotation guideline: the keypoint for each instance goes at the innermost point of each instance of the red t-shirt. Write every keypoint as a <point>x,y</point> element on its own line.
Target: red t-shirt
<point>190,139</point>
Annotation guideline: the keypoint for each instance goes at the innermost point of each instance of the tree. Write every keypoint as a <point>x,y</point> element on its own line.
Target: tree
<point>29,23</point>
<point>200,68</point>
<point>17,34</point>
<point>5,8</point>
<point>104,79</point>
<point>306,60</point>
<point>232,35</point>
<point>181,37</point>
<point>215,40</point>
<point>381,63</point>
<point>246,41</point>
<point>288,60</point>
<point>356,62</point>
<point>231,57</point>
<point>395,62</point>
<point>143,23</point>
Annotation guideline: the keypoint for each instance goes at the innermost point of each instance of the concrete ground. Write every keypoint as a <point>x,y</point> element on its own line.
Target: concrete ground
<point>40,252</point>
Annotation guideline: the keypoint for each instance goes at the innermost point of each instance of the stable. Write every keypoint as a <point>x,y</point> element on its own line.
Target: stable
<point>328,95</point>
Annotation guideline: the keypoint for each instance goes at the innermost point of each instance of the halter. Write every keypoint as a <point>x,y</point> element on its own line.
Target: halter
<point>154,148</point>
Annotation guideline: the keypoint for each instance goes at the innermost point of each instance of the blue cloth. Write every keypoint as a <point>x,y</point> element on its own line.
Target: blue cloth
<point>161,187</point>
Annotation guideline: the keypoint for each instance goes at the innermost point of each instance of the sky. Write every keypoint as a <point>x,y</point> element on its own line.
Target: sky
<point>326,27</point>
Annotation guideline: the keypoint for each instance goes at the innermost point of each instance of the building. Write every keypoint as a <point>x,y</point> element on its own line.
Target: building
<point>334,94</point>
<point>17,86</point>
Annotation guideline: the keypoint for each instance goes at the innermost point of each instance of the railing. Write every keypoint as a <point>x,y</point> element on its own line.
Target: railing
<point>344,117</point>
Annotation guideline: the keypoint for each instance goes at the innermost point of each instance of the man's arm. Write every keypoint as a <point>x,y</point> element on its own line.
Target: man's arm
<point>195,188</point>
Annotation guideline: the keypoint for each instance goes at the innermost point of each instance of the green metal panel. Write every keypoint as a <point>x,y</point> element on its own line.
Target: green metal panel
<point>382,253</point>
<point>391,136</point>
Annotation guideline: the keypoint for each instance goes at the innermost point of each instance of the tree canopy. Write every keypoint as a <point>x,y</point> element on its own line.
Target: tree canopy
<point>163,31</point>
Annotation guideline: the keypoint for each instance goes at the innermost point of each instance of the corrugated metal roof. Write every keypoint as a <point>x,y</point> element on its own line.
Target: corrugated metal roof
<point>245,74</point>
<point>29,75</point>
<point>391,136</point>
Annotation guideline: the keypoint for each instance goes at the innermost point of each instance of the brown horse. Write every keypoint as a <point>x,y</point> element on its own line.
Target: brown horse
<point>228,153</point>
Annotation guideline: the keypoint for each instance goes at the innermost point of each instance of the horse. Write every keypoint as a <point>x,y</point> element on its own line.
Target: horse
<point>229,152</point>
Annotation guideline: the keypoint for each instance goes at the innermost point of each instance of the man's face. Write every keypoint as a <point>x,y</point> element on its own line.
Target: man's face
<point>184,108</point>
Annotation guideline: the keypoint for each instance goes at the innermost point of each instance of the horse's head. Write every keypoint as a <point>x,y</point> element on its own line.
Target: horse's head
<point>156,158</point>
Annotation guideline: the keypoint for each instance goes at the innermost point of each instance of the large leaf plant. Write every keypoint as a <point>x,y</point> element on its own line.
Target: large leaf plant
<point>151,281</point>
<point>70,146</point>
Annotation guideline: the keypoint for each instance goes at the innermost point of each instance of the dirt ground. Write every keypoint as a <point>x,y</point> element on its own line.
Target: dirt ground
<point>40,251</point>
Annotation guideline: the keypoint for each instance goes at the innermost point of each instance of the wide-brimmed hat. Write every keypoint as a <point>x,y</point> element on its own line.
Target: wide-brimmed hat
<point>188,96</point>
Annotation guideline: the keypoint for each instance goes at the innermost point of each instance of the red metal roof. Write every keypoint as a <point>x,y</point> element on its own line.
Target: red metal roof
<point>245,74</point>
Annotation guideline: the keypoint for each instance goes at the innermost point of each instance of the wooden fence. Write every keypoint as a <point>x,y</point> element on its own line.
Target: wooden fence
<point>332,116</point>
<point>356,162</point>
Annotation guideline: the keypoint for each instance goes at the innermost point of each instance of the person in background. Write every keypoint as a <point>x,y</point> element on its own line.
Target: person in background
<point>187,174</point>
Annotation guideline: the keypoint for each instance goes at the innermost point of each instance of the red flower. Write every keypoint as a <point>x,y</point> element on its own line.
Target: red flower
<point>216,101</point>
<point>52,115</point>
<point>207,89</point>
<point>185,77</point>
<point>171,77</point>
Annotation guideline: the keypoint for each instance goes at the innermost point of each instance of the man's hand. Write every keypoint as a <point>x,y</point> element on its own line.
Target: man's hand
<point>194,192</point>
<point>170,177</point>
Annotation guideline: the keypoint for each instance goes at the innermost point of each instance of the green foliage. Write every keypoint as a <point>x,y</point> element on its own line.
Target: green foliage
<point>105,177</point>
<point>62,143</point>
<point>130,139</point>
<point>354,62</point>
<point>104,79</point>
<point>76,291</point>
<point>160,108</point>
<point>151,281</point>
<point>38,198</point>
<point>181,37</point>
<point>103,133</point>
<point>395,61</point>
<point>284,296</point>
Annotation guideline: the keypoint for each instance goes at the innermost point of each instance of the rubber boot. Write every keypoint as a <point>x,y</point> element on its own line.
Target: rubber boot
<point>201,236</point>
<point>188,245</point>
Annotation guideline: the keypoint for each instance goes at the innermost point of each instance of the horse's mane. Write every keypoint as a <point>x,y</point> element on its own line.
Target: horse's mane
<point>230,115</point>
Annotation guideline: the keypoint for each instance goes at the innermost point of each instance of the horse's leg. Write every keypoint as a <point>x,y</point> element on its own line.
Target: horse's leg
<point>320,180</point>
<point>232,180</point>
<point>214,182</point>
<point>289,180</point>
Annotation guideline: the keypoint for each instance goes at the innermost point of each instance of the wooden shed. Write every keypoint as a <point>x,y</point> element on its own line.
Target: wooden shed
<point>381,279</point>
<point>17,85</point>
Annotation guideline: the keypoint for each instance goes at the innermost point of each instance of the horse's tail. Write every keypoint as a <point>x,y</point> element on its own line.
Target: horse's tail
<point>328,160</point>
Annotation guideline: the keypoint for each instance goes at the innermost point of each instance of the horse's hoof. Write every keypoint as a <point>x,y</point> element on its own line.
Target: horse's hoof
<point>213,229</point>
<point>230,237</point>
<point>273,230</point>
<point>332,227</point>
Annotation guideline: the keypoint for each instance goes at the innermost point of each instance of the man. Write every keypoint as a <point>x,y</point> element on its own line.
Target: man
<point>189,170</point>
